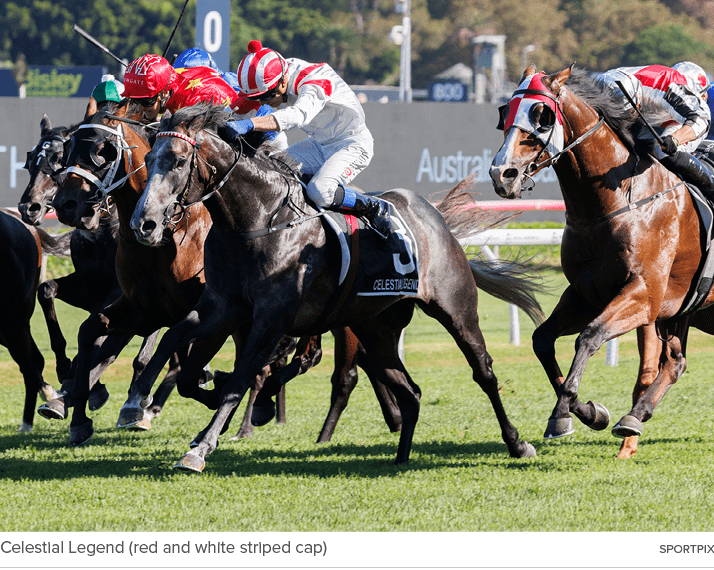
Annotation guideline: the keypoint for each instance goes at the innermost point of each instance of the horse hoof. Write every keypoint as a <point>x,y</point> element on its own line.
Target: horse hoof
<point>242,434</point>
<point>262,415</point>
<point>559,427</point>
<point>129,417</point>
<point>142,425</point>
<point>81,434</point>
<point>53,410</point>
<point>190,463</point>
<point>97,397</point>
<point>627,426</point>
<point>602,417</point>
<point>25,428</point>
<point>48,393</point>
<point>146,402</point>
<point>527,450</point>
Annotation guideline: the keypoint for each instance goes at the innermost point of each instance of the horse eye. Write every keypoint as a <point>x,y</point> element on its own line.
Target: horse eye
<point>180,163</point>
<point>542,117</point>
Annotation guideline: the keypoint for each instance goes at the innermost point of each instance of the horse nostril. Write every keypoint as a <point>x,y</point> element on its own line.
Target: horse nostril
<point>510,173</point>
<point>69,206</point>
<point>148,227</point>
<point>34,208</point>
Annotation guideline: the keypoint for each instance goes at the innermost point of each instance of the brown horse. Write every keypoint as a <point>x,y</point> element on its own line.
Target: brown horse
<point>21,250</point>
<point>631,250</point>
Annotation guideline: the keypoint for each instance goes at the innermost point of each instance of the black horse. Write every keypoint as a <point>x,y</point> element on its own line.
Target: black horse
<point>21,250</point>
<point>272,270</point>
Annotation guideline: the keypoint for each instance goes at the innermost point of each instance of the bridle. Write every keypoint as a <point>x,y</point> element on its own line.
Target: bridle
<point>181,206</point>
<point>105,185</point>
<point>535,165</point>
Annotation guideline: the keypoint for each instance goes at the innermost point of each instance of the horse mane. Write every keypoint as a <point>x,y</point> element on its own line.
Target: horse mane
<point>620,120</point>
<point>211,117</point>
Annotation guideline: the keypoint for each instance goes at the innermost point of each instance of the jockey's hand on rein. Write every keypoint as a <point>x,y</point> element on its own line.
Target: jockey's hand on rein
<point>234,129</point>
<point>669,145</point>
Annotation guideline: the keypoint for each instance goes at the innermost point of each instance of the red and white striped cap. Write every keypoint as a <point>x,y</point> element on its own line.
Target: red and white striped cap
<point>260,70</point>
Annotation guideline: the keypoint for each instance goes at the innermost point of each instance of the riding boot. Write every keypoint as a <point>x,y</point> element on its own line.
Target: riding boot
<point>374,209</point>
<point>691,170</point>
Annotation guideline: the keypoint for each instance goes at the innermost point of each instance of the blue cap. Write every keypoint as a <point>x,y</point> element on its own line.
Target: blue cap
<point>194,57</point>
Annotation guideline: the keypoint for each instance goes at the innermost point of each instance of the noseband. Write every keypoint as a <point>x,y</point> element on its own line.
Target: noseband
<point>105,185</point>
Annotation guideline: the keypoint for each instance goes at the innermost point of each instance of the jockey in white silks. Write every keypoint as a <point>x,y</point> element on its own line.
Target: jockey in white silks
<point>673,101</point>
<point>314,98</point>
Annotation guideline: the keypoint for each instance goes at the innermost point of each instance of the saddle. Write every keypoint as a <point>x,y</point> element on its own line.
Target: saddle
<point>370,265</point>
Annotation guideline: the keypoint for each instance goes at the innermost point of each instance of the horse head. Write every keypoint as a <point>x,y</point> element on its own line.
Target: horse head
<point>104,165</point>
<point>186,158</point>
<point>568,121</point>
<point>45,163</point>
<point>532,122</point>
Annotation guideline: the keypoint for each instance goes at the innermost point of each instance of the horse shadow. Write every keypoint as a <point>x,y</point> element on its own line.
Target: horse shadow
<point>321,461</point>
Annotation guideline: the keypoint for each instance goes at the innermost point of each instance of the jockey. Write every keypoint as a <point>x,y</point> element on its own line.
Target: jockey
<point>108,90</point>
<point>158,87</point>
<point>195,57</point>
<point>316,99</point>
<point>673,101</point>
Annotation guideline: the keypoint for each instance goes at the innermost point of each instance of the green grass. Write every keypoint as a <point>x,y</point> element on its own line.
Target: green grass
<point>460,477</point>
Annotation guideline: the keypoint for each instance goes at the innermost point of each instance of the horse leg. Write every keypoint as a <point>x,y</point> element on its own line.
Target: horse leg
<point>570,316</point>
<point>349,352</point>
<point>46,293</point>
<point>650,348</point>
<point>164,390</point>
<point>627,311</point>
<point>255,354</point>
<point>116,320</point>
<point>24,352</point>
<point>200,323</point>
<point>673,365</point>
<point>380,338</point>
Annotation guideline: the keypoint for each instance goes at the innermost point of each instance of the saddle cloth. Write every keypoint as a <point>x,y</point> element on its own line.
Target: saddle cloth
<point>386,267</point>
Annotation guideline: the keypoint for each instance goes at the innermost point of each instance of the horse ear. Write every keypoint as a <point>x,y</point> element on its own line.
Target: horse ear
<point>555,82</point>
<point>122,109</point>
<point>530,70</point>
<point>45,125</point>
<point>91,107</point>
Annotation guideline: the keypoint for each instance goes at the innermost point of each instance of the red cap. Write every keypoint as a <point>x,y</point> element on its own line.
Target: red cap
<point>147,76</point>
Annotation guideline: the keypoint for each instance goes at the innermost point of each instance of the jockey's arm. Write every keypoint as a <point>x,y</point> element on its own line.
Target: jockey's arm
<point>265,124</point>
<point>684,134</point>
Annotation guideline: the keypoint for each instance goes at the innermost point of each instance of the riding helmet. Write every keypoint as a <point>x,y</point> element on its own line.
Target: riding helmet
<point>260,70</point>
<point>695,74</point>
<point>147,76</point>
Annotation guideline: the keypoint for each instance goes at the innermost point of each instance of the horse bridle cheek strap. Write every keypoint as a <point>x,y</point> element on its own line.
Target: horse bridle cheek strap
<point>107,184</point>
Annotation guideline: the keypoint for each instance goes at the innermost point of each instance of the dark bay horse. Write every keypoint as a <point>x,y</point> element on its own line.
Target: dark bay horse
<point>157,285</point>
<point>21,250</point>
<point>92,285</point>
<point>631,250</point>
<point>263,283</point>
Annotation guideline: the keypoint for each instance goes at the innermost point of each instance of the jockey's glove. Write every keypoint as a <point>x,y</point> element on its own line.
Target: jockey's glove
<point>669,145</point>
<point>234,129</point>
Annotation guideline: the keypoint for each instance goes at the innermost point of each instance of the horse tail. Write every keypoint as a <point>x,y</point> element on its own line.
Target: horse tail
<point>510,281</point>
<point>463,216</point>
<point>59,246</point>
